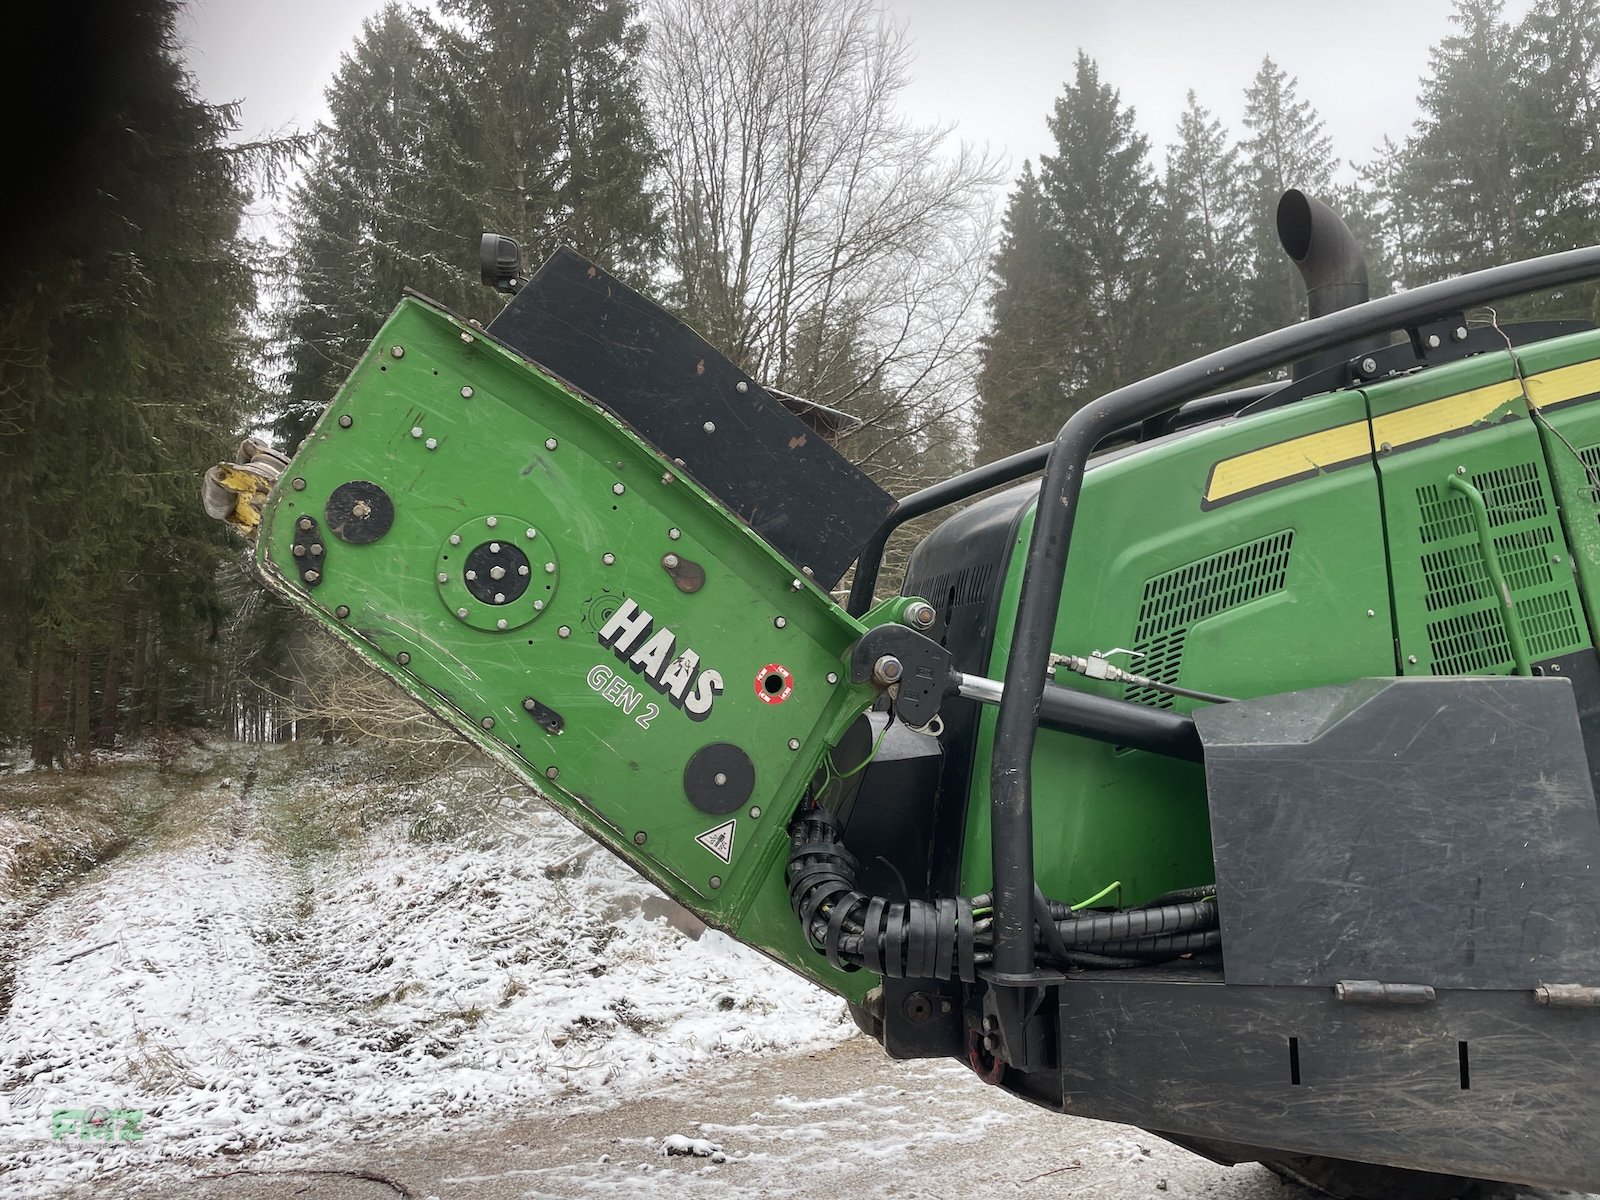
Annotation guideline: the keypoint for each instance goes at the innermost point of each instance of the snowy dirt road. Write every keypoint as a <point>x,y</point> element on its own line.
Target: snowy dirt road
<point>841,1122</point>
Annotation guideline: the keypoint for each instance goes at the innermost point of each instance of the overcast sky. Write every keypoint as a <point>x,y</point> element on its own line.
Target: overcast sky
<point>993,69</point>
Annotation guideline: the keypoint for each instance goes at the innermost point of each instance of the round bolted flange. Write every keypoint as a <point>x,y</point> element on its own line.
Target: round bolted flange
<point>489,582</point>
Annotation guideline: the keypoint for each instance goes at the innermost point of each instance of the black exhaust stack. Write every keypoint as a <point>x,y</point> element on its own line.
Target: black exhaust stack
<point>1331,262</point>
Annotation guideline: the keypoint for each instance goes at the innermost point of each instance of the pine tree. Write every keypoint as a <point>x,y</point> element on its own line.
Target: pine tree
<point>1204,243</point>
<point>1457,184</point>
<point>1287,148</point>
<point>1557,127</point>
<point>1020,380</point>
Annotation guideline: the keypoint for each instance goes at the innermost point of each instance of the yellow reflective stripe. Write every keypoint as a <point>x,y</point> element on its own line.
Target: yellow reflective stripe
<point>1564,383</point>
<point>1286,460</point>
<point>1436,418</point>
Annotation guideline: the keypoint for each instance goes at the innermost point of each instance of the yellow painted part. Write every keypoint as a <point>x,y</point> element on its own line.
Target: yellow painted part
<point>1423,422</point>
<point>1271,464</point>
<point>252,491</point>
<point>1564,383</point>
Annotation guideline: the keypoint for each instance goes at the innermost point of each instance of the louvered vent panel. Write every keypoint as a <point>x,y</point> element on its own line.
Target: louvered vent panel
<point>1466,634</point>
<point>1175,602</point>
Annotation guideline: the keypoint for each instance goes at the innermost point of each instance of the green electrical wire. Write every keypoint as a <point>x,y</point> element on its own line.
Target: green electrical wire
<point>1116,885</point>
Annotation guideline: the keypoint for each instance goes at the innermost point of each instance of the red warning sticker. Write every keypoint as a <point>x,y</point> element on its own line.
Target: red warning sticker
<point>774,683</point>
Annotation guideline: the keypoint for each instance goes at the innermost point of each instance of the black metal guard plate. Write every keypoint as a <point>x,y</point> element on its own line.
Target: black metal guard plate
<point>1433,831</point>
<point>1483,1084</point>
<point>650,369</point>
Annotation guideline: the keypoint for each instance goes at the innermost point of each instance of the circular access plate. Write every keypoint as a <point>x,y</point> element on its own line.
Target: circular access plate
<point>528,572</point>
<point>719,778</point>
<point>359,512</point>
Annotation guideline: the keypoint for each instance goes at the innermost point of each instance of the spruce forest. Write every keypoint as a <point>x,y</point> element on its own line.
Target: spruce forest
<point>747,162</point>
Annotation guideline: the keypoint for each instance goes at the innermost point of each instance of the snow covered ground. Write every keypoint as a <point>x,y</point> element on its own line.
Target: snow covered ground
<point>303,949</point>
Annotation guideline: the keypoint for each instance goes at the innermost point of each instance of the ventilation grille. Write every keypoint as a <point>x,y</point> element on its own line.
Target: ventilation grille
<point>1173,603</point>
<point>1466,634</point>
<point>953,589</point>
<point>1591,466</point>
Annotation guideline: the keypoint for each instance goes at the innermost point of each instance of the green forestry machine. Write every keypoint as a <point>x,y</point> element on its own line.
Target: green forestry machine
<point>1235,779</point>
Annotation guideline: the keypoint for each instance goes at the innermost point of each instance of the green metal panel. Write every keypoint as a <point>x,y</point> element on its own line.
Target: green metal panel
<point>1562,377</point>
<point>1243,560</point>
<point>1469,420</point>
<point>488,460</point>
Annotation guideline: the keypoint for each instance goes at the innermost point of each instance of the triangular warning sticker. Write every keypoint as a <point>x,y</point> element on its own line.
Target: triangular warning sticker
<point>719,840</point>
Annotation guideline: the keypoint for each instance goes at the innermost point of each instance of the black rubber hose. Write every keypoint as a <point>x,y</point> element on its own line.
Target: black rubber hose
<point>902,939</point>
<point>1138,923</point>
<point>1167,945</point>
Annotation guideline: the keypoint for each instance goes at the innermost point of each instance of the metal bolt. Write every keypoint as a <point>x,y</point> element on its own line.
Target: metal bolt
<point>674,534</point>
<point>497,572</point>
<point>552,773</point>
<point>807,572</point>
<point>499,597</point>
<point>416,431</point>
<point>345,422</point>
<point>1371,613</point>
<point>432,443</point>
<point>795,585</point>
<point>298,484</point>
<point>398,351</point>
<point>1412,659</point>
<point>403,658</point>
<point>1384,448</point>
<point>640,838</point>
<point>523,569</point>
<point>617,489</point>
<point>442,577</point>
<point>716,881</point>
<point>669,561</point>
<point>1369,366</point>
<point>500,624</point>
<point>531,533</point>
<point>313,576</point>
<point>550,443</point>
<point>833,677</point>
<point>564,631</point>
<point>1555,558</point>
<point>316,549</point>
<point>487,722</point>
<point>462,613</point>
<point>305,523</point>
<point>887,670</point>
<point>608,558</point>
<point>494,548</point>
<point>466,393</point>
<point>719,779</point>
<point>1433,341</point>
<point>299,552</point>
<point>794,743</point>
<point>1461,470</point>
<point>455,539</point>
<point>709,427</point>
<point>1459,333</point>
<point>538,606</point>
<point>342,611</point>
<point>921,615</point>
<point>491,522</point>
<point>528,704</point>
<point>549,568</point>
<point>741,386</point>
<point>1556,667</point>
<point>466,337</point>
<point>755,812</point>
<point>472,575</point>
<point>780,622</point>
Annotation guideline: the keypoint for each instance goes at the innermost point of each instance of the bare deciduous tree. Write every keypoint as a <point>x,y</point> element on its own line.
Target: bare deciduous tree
<point>829,245</point>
